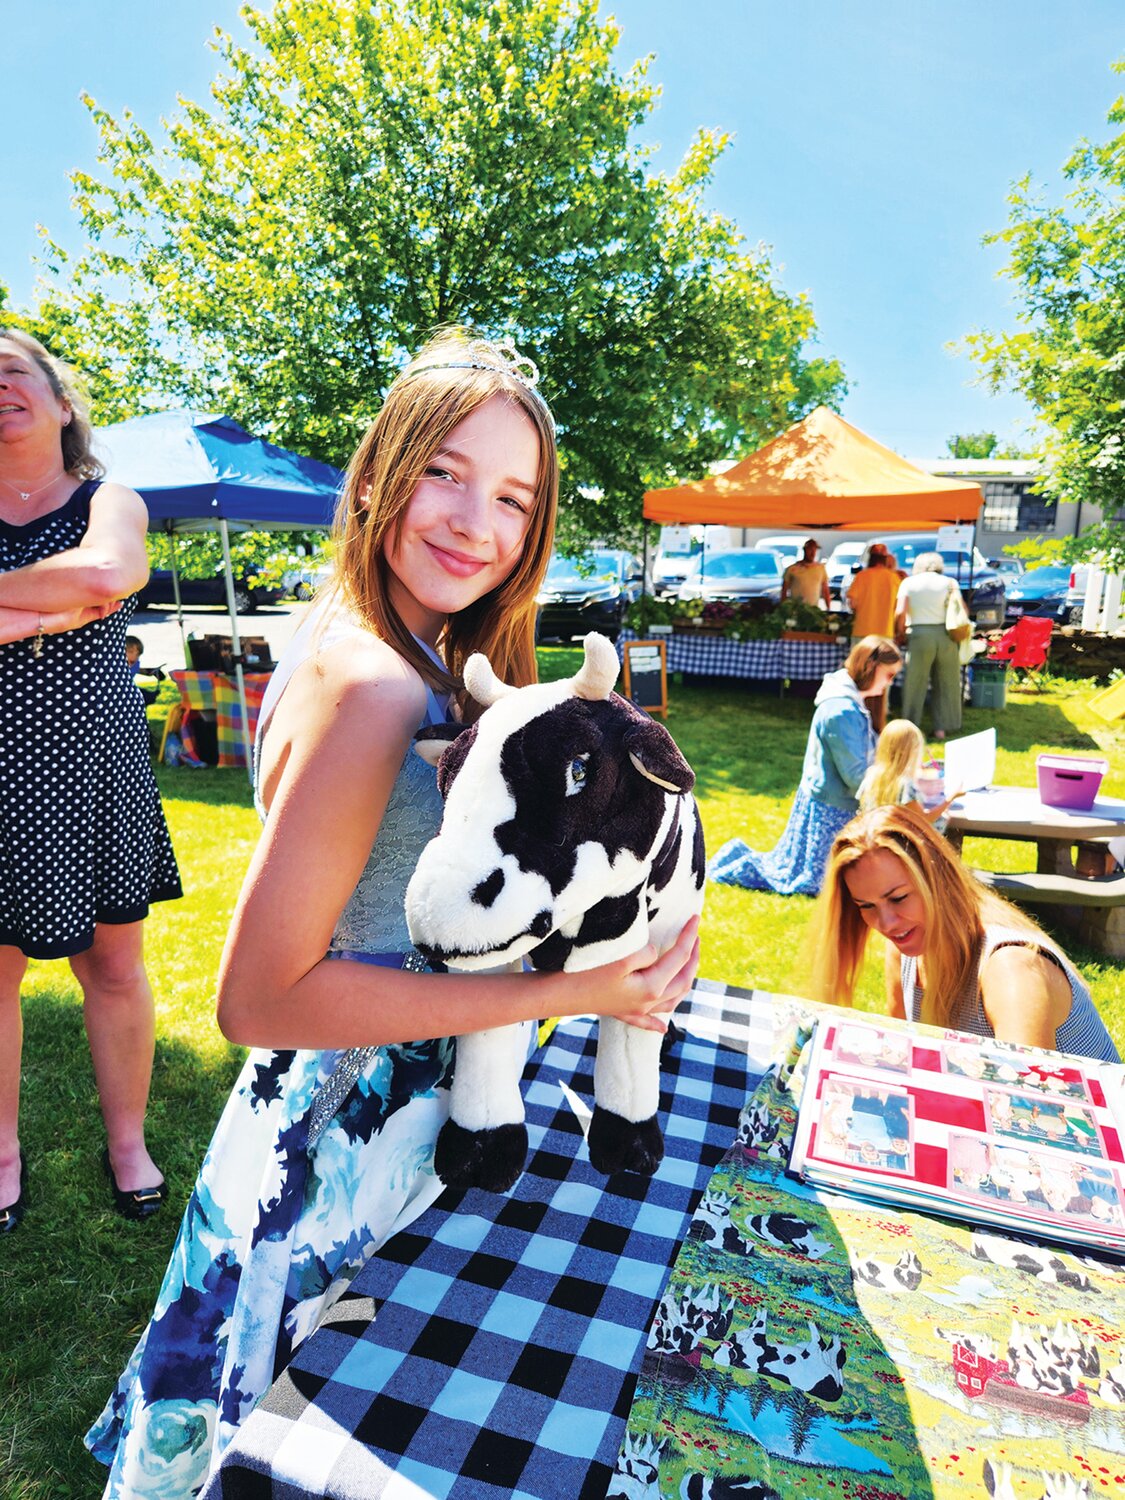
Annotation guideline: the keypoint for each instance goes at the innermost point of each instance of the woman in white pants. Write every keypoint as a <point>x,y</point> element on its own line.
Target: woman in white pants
<point>933,660</point>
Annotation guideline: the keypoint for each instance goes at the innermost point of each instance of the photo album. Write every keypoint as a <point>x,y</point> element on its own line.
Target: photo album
<point>1008,1137</point>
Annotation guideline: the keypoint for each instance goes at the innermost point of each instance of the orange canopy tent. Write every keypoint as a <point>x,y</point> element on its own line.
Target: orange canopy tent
<point>822,473</point>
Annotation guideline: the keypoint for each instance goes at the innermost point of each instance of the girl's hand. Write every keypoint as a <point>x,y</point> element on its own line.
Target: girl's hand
<point>645,988</point>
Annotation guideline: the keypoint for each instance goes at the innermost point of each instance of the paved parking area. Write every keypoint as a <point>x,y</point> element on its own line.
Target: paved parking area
<point>159,631</point>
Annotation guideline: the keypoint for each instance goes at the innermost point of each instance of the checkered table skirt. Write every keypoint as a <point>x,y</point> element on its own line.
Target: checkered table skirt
<point>490,1351</point>
<point>718,656</point>
<point>217,692</point>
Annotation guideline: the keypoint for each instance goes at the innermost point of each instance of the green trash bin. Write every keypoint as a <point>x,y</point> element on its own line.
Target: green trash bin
<point>988,687</point>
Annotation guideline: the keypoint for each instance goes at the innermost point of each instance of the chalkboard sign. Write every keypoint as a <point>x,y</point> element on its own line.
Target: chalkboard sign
<point>646,676</point>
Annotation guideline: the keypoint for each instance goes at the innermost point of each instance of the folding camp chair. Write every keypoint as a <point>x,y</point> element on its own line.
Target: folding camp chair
<point>1025,647</point>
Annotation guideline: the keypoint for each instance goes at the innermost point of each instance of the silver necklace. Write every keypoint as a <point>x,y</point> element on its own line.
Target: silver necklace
<point>25,495</point>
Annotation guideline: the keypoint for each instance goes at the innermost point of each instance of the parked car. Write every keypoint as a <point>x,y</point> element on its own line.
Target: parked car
<point>677,549</point>
<point>842,566</point>
<point>304,582</point>
<point>1053,589</point>
<point>788,547</point>
<point>742,573</point>
<point>586,593</point>
<point>984,596</point>
<point>247,596</point>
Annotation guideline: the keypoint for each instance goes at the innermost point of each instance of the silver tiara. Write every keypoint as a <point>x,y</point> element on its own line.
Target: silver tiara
<point>511,362</point>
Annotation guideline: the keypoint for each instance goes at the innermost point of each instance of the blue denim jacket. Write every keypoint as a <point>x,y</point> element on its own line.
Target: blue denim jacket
<point>841,743</point>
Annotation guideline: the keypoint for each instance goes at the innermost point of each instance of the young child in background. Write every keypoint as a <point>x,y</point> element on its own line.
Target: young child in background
<point>896,774</point>
<point>133,649</point>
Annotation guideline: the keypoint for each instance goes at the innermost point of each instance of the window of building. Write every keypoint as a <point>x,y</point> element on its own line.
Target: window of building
<point>1009,505</point>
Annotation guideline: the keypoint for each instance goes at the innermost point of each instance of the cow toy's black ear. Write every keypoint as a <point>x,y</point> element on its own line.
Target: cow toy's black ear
<point>655,755</point>
<point>432,742</point>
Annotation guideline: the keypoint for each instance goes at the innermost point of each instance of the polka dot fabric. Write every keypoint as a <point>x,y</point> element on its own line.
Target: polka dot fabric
<point>82,832</point>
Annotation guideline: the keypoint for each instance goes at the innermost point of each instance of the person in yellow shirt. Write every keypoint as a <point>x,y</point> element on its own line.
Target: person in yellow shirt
<point>807,580</point>
<point>873,593</point>
<point>872,596</point>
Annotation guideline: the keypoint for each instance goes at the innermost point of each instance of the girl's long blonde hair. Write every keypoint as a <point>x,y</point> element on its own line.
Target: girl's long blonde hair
<point>957,910</point>
<point>446,381</point>
<point>898,754</point>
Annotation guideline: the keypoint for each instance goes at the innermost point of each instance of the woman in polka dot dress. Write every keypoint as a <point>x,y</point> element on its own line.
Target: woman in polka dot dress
<point>83,844</point>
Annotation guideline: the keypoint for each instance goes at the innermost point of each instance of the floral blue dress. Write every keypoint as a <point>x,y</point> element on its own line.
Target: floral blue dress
<point>840,748</point>
<point>276,1225</point>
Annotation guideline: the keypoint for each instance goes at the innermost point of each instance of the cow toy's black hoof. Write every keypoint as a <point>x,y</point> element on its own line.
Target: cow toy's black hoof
<point>617,1145</point>
<point>489,1159</point>
<point>673,1035</point>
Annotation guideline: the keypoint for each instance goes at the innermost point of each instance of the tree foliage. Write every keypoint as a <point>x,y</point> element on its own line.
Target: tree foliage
<point>262,557</point>
<point>1067,354</point>
<point>369,170</point>
<point>972,444</point>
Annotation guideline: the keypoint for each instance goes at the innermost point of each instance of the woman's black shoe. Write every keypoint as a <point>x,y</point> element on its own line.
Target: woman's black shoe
<point>11,1216</point>
<point>141,1204</point>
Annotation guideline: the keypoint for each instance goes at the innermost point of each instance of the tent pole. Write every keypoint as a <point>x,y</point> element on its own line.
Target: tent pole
<point>236,645</point>
<point>170,528</point>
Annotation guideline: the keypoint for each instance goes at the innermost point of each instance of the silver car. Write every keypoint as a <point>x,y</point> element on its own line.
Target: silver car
<point>742,573</point>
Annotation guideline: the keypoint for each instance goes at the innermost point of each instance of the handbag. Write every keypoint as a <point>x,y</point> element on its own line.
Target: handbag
<point>957,621</point>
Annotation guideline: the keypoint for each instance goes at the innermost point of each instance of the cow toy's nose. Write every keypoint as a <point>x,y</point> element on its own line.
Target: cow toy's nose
<point>487,891</point>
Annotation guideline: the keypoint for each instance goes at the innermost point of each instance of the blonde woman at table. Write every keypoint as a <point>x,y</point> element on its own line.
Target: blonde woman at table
<point>326,1145</point>
<point>83,844</point>
<point>957,954</point>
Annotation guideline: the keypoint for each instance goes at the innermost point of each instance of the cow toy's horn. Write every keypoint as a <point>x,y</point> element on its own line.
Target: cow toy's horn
<point>482,682</point>
<point>598,673</point>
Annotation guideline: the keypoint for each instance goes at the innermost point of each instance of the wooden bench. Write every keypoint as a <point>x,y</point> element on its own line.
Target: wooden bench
<point>1093,908</point>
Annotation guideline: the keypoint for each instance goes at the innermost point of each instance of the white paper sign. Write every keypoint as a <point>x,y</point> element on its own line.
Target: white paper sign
<point>954,538</point>
<point>970,762</point>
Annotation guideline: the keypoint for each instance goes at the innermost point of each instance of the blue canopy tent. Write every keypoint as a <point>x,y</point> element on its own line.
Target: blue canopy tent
<point>197,471</point>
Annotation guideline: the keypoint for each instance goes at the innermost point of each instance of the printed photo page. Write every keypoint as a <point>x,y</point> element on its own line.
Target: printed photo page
<point>1005,1136</point>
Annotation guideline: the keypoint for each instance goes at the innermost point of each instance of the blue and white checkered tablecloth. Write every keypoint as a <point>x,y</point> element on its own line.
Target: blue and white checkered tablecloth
<point>718,656</point>
<point>491,1350</point>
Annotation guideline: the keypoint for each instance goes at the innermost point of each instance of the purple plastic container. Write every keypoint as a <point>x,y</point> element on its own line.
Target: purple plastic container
<point>1071,781</point>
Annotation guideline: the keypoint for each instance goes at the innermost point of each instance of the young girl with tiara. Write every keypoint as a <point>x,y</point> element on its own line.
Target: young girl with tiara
<point>325,1147</point>
<point>895,774</point>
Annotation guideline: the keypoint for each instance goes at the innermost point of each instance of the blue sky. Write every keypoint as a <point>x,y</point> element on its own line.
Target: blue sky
<point>874,144</point>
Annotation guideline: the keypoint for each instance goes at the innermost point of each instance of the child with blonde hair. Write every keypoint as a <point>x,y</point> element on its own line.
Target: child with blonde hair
<point>894,774</point>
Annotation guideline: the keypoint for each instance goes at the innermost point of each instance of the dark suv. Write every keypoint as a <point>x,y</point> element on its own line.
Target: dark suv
<point>585,593</point>
<point>247,598</point>
<point>984,594</point>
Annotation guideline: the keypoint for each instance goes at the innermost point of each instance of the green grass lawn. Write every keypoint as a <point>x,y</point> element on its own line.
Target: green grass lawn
<point>77,1283</point>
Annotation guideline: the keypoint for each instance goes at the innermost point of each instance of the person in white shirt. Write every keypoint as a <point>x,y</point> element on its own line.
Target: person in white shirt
<point>932,659</point>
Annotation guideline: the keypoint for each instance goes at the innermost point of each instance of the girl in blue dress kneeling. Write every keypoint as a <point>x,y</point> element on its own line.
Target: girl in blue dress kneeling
<point>840,748</point>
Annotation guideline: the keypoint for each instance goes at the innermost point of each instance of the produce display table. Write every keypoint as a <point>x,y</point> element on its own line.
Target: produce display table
<point>697,653</point>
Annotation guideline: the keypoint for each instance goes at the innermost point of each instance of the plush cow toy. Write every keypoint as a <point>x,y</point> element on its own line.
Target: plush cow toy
<point>569,836</point>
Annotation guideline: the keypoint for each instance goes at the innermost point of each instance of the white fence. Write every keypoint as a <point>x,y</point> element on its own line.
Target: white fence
<point>1102,607</point>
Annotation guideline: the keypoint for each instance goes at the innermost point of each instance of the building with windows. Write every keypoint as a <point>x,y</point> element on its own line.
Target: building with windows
<point>1013,510</point>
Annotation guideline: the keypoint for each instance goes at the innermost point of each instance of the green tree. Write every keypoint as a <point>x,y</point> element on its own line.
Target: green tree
<point>1067,353</point>
<point>368,171</point>
<point>972,444</point>
<point>117,391</point>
